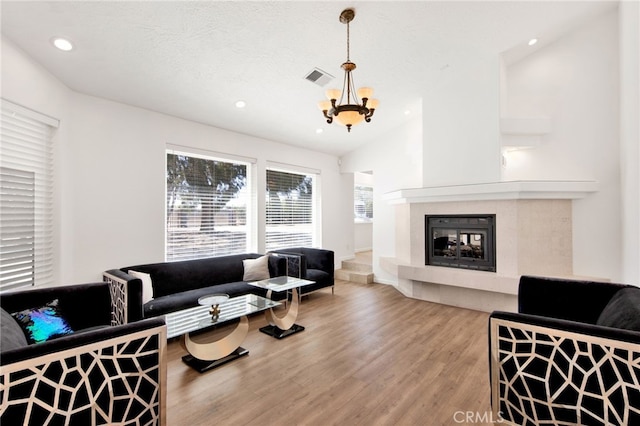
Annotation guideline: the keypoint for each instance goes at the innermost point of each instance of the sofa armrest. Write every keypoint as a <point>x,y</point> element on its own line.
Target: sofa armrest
<point>97,370</point>
<point>296,263</point>
<point>320,259</point>
<point>277,266</point>
<point>576,300</point>
<point>126,296</point>
<point>562,371</point>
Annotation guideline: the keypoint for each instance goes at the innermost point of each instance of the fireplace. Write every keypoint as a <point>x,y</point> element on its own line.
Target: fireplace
<point>461,241</point>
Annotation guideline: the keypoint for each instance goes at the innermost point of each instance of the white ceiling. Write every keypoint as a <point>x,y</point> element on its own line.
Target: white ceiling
<point>194,60</point>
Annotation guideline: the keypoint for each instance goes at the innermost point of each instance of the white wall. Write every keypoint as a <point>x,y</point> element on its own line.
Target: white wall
<point>460,118</point>
<point>574,81</point>
<point>629,15</point>
<point>395,159</point>
<point>111,167</point>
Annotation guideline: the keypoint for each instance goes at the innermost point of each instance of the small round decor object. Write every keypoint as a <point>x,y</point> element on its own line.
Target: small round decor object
<point>213,300</point>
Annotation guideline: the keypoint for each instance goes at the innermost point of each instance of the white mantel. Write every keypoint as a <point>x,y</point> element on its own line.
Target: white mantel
<point>509,190</point>
<point>533,236</point>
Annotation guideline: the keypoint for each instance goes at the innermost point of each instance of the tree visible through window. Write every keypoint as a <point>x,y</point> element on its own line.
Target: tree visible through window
<point>363,203</point>
<point>290,219</point>
<point>207,201</point>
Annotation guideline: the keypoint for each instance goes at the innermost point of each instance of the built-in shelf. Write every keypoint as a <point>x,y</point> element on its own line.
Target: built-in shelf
<point>508,190</point>
<point>518,133</point>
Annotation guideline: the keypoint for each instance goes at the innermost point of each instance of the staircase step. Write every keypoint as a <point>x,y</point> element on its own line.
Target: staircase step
<point>354,265</point>
<point>354,276</point>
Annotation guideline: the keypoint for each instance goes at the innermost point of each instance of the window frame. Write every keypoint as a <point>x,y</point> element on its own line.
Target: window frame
<point>313,226</point>
<point>363,219</point>
<point>249,202</point>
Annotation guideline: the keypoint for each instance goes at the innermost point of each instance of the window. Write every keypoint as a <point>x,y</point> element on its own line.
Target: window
<point>26,198</point>
<point>290,209</point>
<point>208,203</point>
<point>363,203</point>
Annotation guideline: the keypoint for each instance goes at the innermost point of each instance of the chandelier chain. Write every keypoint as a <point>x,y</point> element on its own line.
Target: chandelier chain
<point>348,60</point>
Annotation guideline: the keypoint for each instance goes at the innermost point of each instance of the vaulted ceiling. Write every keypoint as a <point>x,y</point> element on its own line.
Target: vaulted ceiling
<point>194,60</point>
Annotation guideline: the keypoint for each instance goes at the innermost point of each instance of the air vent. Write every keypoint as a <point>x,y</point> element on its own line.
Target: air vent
<point>318,77</point>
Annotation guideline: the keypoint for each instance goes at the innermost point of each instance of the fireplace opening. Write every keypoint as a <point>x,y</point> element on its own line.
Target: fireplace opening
<point>461,241</point>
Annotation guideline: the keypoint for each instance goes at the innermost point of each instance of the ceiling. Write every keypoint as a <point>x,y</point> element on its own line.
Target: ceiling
<point>194,60</point>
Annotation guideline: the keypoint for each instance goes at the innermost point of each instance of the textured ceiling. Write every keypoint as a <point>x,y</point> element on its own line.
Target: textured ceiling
<point>194,60</point>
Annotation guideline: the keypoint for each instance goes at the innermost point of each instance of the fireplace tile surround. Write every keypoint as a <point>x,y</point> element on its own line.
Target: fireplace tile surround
<point>533,236</point>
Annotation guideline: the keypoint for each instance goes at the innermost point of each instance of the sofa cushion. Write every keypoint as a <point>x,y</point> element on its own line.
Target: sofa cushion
<point>256,269</point>
<point>11,334</point>
<point>320,277</point>
<point>623,310</point>
<point>147,285</point>
<point>43,323</point>
<point>188,299</point>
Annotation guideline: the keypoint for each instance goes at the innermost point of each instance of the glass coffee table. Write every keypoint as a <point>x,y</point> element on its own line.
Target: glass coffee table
<point>215,310</point>
<point>283,326</point>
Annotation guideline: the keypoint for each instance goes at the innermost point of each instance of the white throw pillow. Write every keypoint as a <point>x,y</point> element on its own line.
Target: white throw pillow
<point>147,286</point>
<point>256,269</point>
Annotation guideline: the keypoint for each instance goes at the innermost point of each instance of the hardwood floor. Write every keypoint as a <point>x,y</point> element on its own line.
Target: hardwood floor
<point>368,356</point>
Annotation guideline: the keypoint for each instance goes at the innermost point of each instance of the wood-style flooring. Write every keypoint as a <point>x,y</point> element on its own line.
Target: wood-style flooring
<point>368,356</point>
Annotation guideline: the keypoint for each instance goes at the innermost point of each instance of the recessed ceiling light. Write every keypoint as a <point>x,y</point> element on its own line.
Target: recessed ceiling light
<point>62,44</point>
<point>318,131</point>
<point>407,112</point>
<point>241,104</point>
<point>533,41</point>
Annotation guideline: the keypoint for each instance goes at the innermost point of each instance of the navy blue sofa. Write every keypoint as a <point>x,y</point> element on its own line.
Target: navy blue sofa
<point>178,285</point>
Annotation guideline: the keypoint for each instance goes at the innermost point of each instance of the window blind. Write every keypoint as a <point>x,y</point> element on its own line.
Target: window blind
<point>26,198</point>
<point>208,207</point>
<point>363,203</point>
<point>290,210</point>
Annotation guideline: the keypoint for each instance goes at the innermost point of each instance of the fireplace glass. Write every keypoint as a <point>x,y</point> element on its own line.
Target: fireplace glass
<point>461,241</point>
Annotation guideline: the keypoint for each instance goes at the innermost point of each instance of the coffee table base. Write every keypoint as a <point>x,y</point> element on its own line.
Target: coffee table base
<point>278,333</point>
<point>201,366</point>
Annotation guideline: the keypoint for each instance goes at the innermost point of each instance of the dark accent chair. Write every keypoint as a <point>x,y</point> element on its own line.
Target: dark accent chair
<point>570,354</point>
<point>105,372</point>
<point>310,264</point>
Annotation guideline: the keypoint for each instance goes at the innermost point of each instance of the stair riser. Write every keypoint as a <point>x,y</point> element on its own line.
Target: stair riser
<point>355,277</point>
<point>355,266</point>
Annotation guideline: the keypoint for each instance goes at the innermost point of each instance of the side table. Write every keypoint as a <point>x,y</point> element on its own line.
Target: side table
<point>283,326</point>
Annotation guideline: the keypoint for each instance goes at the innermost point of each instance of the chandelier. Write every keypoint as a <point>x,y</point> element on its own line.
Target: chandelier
<point>347,106</point>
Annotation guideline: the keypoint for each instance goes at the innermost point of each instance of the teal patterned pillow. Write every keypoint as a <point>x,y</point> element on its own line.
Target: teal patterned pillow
<point>44,323</point>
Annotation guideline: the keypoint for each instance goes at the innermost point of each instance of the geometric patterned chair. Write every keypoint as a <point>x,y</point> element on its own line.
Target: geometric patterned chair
<point>570,356</point>
<point>101,374</point>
